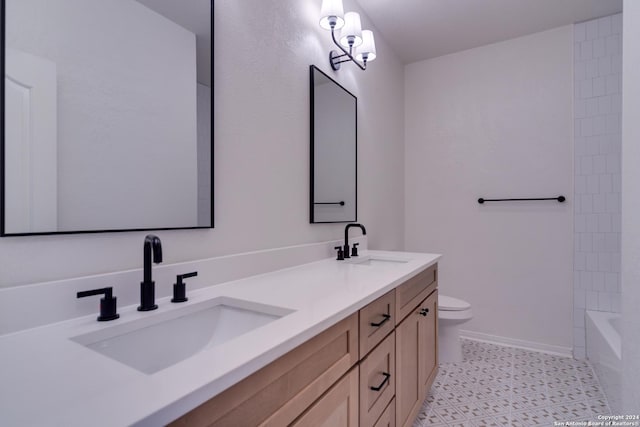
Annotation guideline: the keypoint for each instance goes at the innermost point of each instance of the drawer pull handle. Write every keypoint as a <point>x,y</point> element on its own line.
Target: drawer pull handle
<point>386,379</point>
<point>424,312</point>
<point>382,322</point>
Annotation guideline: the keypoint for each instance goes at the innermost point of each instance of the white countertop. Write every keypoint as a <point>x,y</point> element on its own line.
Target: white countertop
<point>48,380</point>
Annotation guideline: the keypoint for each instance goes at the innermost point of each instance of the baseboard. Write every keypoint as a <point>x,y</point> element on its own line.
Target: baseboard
<point>512,342</point>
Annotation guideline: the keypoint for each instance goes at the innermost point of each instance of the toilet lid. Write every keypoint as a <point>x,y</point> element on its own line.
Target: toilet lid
<point>452,304</point>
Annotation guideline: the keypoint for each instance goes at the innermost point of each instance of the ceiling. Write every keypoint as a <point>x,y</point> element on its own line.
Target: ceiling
<point>423,29</point>
<point>195,18</point>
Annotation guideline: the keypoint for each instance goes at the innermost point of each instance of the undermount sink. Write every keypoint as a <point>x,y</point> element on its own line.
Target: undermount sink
<point>375,260</point>
<point>157,342</point>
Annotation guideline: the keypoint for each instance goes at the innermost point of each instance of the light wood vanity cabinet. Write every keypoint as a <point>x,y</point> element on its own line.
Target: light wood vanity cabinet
<point>416,365</point>
<point>372,369</point>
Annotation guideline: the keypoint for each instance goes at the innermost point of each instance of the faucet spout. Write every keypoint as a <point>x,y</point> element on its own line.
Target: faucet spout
<point>346,237</point>
<point>152,252</point>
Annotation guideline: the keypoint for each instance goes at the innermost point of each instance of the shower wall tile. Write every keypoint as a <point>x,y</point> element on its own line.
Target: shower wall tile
<point>598,146</point>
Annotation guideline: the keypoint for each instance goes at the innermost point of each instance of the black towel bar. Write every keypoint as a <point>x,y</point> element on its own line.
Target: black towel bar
<point>329,203</point>
<point>558,199</point>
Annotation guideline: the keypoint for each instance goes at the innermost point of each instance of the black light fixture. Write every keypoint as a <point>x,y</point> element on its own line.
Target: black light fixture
<point>355,44</point>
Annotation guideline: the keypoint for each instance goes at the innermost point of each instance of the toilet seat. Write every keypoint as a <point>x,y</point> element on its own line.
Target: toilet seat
<point>446,303</point>
<point>450,308</point>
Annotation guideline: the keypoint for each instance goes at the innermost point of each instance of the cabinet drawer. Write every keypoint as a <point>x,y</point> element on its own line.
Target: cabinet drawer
<point>377,381</point>
<point>278,393</point>
<point>414,291</point>
<point>388,417</point>
<point>337,408</point>
<point>377,320</point>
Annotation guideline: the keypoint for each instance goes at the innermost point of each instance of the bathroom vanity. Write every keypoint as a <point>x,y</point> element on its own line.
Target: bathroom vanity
<point>337,343</point>
<point>373,368</point>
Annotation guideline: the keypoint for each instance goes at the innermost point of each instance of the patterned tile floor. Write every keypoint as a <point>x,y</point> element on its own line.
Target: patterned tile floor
<point>504,386</point>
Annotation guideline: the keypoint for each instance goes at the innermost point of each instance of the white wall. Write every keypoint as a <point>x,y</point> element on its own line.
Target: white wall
<point>121,107</point>
<point>496,122</point>
<point>263,50</point>
<point>631,208</point>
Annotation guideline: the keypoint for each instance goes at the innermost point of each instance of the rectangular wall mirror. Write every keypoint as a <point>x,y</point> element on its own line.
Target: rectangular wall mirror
<point>334,151</point>
<point>107,121</point>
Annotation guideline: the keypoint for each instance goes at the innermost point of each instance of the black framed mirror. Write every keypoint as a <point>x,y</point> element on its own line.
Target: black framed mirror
<point>334,151</point>
<point>107,116</point>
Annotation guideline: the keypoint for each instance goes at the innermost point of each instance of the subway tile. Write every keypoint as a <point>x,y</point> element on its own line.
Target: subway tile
<point>591,69</point>
<point>616,24</point>
<point>586,242</point>
<point>593,145</point>
<point>616,223</point>
<point>599,165</point>
<point>598,242</point>
<point>613,165</point>
<point>580,32</point>
<point>612,242</point>
<point>616,304</point>
<point>586,88</point>
<point>598,281</point>
<point>586,280</point>
<point>604,223</point>
<point>613,123</point>
<point>611,281</point>
<point>592,223</point>
<point>612,46</point>
<point>580,261</point>
<point>606,185</point>
<point>604,27</point>
<point>616,64</point>
<point>616,103</point>
<point>613,204</point>
<point>604,301</point>
<point>599,86</point>
<point>591,107</point>
<point>605,67</point>
<point>586,203</point>
<point>591,265</point>
<point>604,104</point>
<point>580,108</point>
<point>586,165</point>
<point>586,50</point>
<point>592,300</point>
<point>615,262</point>
<point>592,29</point>
<point>581,184</point>
<point>612,84</point>
<point>593,183</point>
<point>599,203</point>
<point>599,125</point>
<point>617,182</point>
<point>577,127</point>
<point>599,49</point>
<point>605,262</point>
<point>580,223</point>
<point>579,298</point>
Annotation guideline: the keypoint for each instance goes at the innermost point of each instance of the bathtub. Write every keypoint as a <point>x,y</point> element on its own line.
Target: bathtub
<point>604,351</point>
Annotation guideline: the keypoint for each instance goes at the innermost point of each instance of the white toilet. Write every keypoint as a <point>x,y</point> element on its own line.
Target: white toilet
<point>452,313</point>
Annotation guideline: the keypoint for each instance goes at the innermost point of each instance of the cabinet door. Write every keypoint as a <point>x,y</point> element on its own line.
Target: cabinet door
<point>408,385</point>
<point>377,381</point>
<point>337,408</point>
<point>428,342</point>
<point>388,417</point>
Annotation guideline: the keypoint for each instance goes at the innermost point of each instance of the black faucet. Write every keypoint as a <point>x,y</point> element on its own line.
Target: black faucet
<point>346,237</point>
<point>148,286</point>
